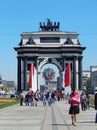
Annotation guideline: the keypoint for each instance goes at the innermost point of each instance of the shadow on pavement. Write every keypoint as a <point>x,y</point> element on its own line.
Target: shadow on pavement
<point>61,124</point>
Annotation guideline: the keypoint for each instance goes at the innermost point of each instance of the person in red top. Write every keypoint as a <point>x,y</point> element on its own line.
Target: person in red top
<point>74,105</point>
<point>31,93</point>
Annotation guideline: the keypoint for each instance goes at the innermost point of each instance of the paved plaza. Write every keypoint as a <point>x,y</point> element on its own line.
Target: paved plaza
<point>55,117</point>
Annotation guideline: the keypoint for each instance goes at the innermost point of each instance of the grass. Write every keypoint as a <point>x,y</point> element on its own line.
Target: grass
<point>92,103</point>
<point>8,102</point>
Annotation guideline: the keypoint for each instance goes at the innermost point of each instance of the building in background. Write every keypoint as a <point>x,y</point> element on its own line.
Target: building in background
<point>85,76</point>
<point>89,75</point>
<point>7,85</point>
<point>93,70</point>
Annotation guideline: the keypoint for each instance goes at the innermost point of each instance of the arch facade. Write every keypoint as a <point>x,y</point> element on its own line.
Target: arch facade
<point>48,46</point>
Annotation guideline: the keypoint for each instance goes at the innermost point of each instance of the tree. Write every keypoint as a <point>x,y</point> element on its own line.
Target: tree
<point>87,84</point>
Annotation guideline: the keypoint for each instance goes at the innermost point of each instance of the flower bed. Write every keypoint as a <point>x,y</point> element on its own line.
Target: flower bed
<point>6,100</point>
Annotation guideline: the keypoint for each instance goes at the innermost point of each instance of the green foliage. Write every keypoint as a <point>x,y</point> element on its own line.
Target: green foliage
<point>92,103</point>
<point>87,84</point>
<point>4,88</point>
<point>8,104</point>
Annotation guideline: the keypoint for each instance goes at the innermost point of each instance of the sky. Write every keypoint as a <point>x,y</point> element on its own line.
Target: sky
<point>18,16</point>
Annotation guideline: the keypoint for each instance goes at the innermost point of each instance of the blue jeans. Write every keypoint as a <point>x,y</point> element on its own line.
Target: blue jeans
<point>32,101</point>
<point>49,101</point>
<point>44,101</point>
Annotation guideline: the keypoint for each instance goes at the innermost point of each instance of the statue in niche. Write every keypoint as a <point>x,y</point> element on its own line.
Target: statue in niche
<point>30,41</point>
<point>68,41</point>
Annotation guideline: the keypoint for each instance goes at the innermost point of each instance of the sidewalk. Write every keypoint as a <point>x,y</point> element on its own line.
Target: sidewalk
<point>55,117</point>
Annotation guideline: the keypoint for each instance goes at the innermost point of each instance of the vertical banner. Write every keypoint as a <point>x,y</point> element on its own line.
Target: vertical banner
<point>35,79</point>
<point>67,76</point>
<point>31,77</point>
<point>67,79</point>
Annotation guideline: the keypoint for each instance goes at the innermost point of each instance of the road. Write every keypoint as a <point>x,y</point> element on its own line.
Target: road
<point>54,117</point>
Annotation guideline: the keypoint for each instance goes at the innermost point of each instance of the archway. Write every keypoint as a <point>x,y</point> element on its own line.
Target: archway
<point>48,77</point>
<point>49,45</point>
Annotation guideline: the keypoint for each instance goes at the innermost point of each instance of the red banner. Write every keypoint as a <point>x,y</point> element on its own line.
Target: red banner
<point>31,75</point>
<point>67,76</point>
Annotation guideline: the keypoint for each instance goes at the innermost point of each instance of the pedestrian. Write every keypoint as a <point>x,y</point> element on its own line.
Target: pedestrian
<point>49,98</point>
<point>36,96</point>
<point>53,96</point>
<point>67,98</point>
<point>27,99</point>
<point>21,99</point>
<point>83,101</point>
<point>31,93</point>
<point>58,96</point>
<point>74,105</point>
<point>95,104</point>
<point>87,101</point>
<point>63,96</point>
<point>44,98</point>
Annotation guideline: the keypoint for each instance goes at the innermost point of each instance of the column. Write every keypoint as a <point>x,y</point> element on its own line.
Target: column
<point>38,75</point>
<point>25,74</point>
<point>63,68</point>
<point>80,73</point>
<point>60,79</point>
<point>77,74</point>
<point>74,72</point>
<point>19,74</point>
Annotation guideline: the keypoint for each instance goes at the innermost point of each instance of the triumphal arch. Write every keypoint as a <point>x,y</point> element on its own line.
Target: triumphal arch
<point>49,45</point>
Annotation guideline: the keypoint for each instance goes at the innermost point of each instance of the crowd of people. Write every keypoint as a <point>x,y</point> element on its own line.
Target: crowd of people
<point>32,98</point>
<point>77,101</point>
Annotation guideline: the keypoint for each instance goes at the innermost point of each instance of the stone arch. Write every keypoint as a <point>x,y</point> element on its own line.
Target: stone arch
<point>48,47</point>
<point>56,63</point>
